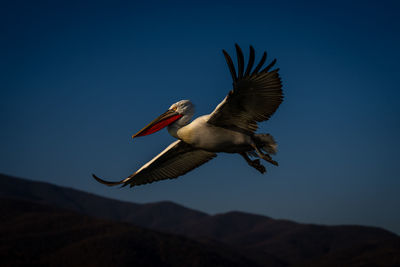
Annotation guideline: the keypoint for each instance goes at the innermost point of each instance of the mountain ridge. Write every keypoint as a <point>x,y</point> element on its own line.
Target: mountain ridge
<point>261,238</point>
<point>45,235</point>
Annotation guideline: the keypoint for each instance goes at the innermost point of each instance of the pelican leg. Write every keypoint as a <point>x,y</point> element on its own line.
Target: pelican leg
<point>254,163</point>
<point>265,157</point>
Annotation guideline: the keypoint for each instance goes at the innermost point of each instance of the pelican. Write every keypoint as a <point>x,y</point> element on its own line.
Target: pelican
<point>230,128</point>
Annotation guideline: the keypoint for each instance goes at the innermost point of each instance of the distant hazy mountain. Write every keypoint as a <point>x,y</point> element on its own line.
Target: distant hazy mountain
<point>261,239</point>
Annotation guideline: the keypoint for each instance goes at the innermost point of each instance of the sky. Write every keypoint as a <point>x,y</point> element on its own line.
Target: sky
<point>78,78</point>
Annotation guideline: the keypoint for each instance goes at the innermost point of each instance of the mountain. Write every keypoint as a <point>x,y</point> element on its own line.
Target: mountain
<point>38,234</point>
<point>162,215</point>
<point>291,242</point>
<point>267,241</point>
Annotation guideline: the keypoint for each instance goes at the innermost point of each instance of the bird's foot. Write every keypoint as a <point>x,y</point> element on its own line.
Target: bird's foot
<point>268,158</point>
<point>258,166</point>
<point>265,157</point>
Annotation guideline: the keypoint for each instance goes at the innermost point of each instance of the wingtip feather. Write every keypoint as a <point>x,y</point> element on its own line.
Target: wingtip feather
<point>260,64</point>
<point>108,183</point>
<point>270,65</point>
<point>251,61</point>
<point>240,60</point>
<point>230,65</point>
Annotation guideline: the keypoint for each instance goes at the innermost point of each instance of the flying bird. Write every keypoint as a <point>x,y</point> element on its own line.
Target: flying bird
<point>230,128</point>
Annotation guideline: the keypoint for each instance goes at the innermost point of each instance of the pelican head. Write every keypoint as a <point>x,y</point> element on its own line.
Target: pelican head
<point>184,108</point>
<point>178,114</point>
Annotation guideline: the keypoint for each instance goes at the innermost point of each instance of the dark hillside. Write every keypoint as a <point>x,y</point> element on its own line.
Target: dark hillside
<point>267,241</point>
<point>37,234</point>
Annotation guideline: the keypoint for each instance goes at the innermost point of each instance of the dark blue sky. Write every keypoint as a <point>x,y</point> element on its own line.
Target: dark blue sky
<point>77,80</point>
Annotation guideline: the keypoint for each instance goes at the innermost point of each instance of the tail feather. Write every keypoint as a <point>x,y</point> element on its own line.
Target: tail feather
<point>267,143</point>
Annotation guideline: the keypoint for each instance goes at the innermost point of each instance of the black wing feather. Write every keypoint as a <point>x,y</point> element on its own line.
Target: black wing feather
<point>251,62</point>
<point>254,98</point>
<point>240,60</point>
<point>270,65</point>
<point>230,65</point>
<point>260,64</point>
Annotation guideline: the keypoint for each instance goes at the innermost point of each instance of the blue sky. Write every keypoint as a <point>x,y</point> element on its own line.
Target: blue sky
<point>78,79</point>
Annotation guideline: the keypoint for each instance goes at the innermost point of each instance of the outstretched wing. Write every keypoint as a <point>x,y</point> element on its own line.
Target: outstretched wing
<point>255,95</point>
<point>177,159</point>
